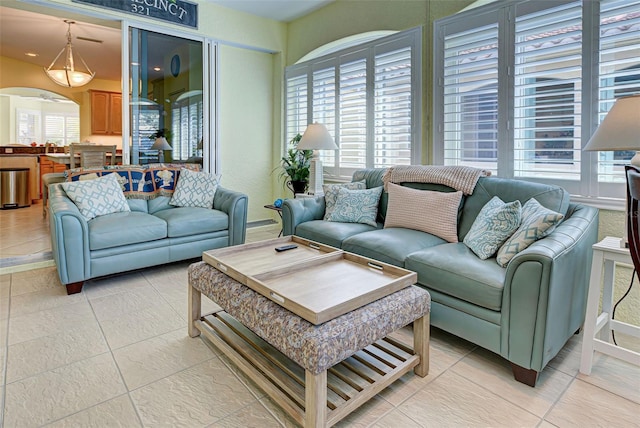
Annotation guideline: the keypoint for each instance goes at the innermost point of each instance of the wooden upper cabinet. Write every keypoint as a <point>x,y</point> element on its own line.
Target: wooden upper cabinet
<point>106,113</point>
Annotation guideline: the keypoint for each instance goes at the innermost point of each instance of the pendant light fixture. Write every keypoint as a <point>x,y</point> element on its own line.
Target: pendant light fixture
<point>65,73</point>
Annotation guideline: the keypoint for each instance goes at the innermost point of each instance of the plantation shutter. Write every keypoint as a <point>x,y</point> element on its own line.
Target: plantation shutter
<point>353,114</point>
<point>61,129</point>
<point>324,107</point>
<point>296,102</point>
<point>548,76</point>
<point>470,85</point>
<point>392,105</point>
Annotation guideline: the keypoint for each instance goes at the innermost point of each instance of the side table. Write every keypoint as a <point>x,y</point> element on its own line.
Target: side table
<point>279,211</point>
<point>598,327</point>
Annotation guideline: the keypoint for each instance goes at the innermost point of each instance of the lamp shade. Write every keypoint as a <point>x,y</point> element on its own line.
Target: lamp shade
<point>316,137</point>
<point>161,143</point>
<point>620,129</point>
<point>64,72</point>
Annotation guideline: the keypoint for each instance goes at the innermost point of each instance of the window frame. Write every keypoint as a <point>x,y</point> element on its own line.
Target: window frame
<point>411,38</point>
<point>504,14</point>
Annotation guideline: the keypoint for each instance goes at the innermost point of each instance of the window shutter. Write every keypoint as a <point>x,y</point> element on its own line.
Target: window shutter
<point>54,129</point>
<point>392,101</point>
<point>324,107</point>
<point>548,76</point>
<point>619,72</point>
<point>353,114</point>
<point>470,83</point>
<point>296,105</point>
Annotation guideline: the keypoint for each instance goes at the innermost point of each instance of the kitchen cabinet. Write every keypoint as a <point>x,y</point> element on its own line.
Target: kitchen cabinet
<point>48,166</point>
<point>106,113</point>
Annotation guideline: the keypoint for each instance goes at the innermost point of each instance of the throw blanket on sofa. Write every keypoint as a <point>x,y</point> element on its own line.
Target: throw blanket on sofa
<point>137,181</point>
<point>463,178</point>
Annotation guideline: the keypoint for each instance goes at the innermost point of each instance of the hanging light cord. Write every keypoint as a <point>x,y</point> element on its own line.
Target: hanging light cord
<point>613,313</point>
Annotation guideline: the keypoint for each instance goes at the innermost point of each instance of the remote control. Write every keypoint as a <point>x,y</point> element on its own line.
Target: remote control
<point>286,247</point>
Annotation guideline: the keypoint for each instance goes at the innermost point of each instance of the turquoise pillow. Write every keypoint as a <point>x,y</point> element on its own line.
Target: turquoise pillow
<point>537,222</point>
<point>356,206</point>
<point>331,194</point>
<point>100,196</point>
<point>495,223</point>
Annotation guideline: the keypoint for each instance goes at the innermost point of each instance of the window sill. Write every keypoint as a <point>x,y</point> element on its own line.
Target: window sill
<point>610,204</point>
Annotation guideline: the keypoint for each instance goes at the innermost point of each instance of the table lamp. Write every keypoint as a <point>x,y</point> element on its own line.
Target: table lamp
<point>620,130</point>
<point>161,144</point>
<point>316,137</point>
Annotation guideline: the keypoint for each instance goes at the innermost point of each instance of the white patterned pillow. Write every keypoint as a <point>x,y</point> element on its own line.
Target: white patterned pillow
<point>537,222</point>
<point>331,194</point>
<point>425,210</point>
<point>495,222</point>
<point>194,189</point>
<point>356,206</point>
<point>97,197</point>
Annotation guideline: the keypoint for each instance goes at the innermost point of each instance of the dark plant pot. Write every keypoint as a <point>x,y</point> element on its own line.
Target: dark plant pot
<point>297,186</point>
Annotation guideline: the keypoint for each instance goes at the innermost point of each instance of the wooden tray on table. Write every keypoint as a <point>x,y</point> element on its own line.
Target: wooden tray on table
<point>242,261</point>
<point>321,289</point>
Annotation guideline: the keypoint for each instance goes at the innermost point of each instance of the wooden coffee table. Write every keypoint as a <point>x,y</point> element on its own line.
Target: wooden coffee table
<point>303,328</point>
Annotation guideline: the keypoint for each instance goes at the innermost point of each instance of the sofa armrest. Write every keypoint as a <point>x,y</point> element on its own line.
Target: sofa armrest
<point>235,205</point>
<point>69,237</point>
<point>296,211</point>
<point>545,291</point>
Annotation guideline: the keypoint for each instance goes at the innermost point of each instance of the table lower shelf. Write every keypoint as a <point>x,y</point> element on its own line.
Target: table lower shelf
<point>350,383</point>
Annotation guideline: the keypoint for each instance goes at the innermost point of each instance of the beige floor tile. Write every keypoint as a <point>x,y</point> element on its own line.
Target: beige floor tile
<point>197,396</point>
<point>280,415</point>
<point>254,415</point>
<point>56,394</point>
<point>451,400</point>
<point>168,276</point>
<point>34,280</point>
<point>48,322</point>
<point>48,298</point>
<point>46,353</point>
<point>545,424</point>
<point>153,359</point>
<point>568,359</point>
<point>397,419</point>
<point>134,327</point>
<point>114,306</point>
<point>118,412</point>
<point>367,414</point>
<point>5,285</point>
<point>615,376</point>
<point>494,373</point>
<point>251,386</point>
<point>100,287</point>
<point>4,308</point>
<point>585,405</point>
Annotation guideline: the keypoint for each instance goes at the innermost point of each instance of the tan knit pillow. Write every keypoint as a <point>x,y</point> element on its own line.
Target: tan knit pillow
<point>425,210</point>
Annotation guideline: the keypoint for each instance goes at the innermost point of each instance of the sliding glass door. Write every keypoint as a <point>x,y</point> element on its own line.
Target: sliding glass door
<point>166,98</point>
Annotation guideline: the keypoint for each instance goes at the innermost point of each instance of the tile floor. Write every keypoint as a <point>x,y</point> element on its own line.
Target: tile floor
<point>24,236</point>
<point>118,355</point>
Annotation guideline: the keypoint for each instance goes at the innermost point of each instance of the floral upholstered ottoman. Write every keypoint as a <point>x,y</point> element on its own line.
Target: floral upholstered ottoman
<point>294,360</point>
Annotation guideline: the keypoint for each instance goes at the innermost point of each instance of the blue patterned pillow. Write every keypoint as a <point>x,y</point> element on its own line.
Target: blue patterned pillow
<point>356,206</point>
<point>97,197</point>
<point>331,194</point>
<point>495,223</point>
<point>537,222</point>
<point>194,189</point>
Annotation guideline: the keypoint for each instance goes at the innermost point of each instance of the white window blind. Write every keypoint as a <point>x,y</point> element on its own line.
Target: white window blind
<point>547,98</point>
<point>525,107</point>
<point>186,128</point>
<point>353,114</point>
<point>619,73</point>
<point>28,126</point>
<point>392,128</point>
<point>61,129</point>
<point>471,98</point>
<point>366,97</point>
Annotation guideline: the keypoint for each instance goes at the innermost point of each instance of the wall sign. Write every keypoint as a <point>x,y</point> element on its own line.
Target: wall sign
<point>175,11</point>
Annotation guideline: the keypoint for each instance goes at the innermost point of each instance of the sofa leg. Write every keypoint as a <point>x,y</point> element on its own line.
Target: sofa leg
<point>75,287</point>
<point>526,376</point>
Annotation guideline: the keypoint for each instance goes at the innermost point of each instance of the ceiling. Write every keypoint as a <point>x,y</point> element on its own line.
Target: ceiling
<point>98,41</point>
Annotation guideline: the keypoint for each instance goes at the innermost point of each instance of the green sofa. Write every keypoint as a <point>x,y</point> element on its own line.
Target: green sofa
<point>525,312</point>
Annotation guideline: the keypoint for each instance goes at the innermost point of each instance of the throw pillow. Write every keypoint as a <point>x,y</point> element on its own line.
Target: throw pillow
<point>356,206</point>
<point>425,210</point>
<point>97,197</point>
<point>496,222</point>
<point>331,194</point>
<point>537,222</point>
<point>194,189</point>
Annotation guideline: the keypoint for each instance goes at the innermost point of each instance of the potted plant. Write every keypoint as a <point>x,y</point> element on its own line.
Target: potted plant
<point>295,167</point>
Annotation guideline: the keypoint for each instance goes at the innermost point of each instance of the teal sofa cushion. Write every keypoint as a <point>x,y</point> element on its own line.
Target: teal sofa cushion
<point>329,232</point>
<point>125,228</point>
<point>391,245</point>
<point>453,269</point>
<point>186,221</point>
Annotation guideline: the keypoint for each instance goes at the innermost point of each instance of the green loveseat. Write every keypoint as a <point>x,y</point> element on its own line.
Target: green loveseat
<point>525,312</point>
